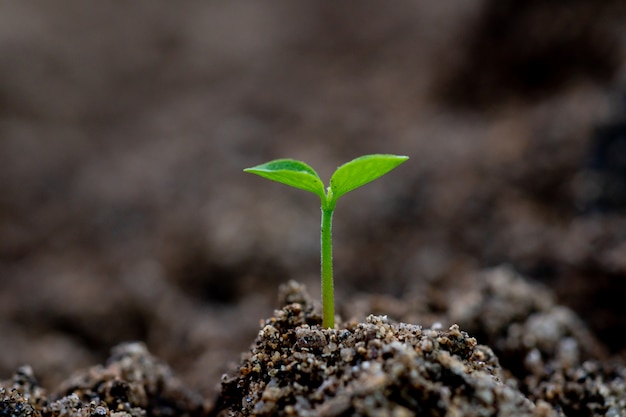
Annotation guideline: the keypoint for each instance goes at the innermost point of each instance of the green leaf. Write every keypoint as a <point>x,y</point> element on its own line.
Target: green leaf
<point>291,172</point>
<point>362,170</point>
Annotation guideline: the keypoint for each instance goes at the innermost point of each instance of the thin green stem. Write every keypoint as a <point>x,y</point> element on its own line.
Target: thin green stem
<point>328,292</point>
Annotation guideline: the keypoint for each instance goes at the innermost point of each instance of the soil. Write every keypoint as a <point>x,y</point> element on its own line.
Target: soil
<point>378,367</point>
<point>483,277</point>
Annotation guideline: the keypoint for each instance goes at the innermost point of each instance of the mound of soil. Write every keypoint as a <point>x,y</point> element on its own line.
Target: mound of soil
<point>379,367</point>
<point>372,368</point>
<point>132,383</point>
<point>382,367</point>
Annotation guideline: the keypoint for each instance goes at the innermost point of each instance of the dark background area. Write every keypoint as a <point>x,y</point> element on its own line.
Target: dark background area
<point>124,129</point>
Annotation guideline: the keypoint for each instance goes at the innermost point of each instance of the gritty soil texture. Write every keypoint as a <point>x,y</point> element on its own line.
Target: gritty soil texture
<point>379,367</point>
<point>385,368</point>
<point>131,238</point>
<point>132,383</point>
<point>372,368</point>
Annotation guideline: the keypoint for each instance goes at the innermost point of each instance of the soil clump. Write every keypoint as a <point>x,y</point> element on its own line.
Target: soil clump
<point>382,367</point>
<point>132,383</point>
<point>377,367</point>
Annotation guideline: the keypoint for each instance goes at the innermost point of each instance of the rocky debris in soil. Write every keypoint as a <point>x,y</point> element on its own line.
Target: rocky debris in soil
<point>374,368</point>
<point>544,347</point>
<point>133,383</point>
<point>549,367</point>
<point>521,321</point>
<point>589,389</point>
<point>499,307</point>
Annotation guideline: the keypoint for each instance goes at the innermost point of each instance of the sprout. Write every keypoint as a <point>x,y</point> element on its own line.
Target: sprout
<point>347,177</point>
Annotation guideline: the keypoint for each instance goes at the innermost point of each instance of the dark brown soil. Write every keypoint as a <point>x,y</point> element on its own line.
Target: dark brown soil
<point>370,368</point>
<point>132,383</point>
<point>124,214</point>
<point>382,367</point>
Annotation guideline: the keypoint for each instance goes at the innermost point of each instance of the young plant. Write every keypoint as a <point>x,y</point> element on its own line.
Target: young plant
<point>346,178</point>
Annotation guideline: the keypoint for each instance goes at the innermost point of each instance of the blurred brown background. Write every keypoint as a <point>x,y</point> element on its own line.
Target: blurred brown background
<point>125,126</point>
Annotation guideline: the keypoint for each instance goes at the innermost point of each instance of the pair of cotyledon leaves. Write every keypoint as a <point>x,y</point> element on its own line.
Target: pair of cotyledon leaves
<point>347,177</point>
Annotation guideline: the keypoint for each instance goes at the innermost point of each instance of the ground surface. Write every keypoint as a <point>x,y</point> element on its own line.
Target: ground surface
<point>124,214</point>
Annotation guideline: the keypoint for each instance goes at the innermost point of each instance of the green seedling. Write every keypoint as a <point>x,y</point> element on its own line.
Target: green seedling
<point>346,178</point>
